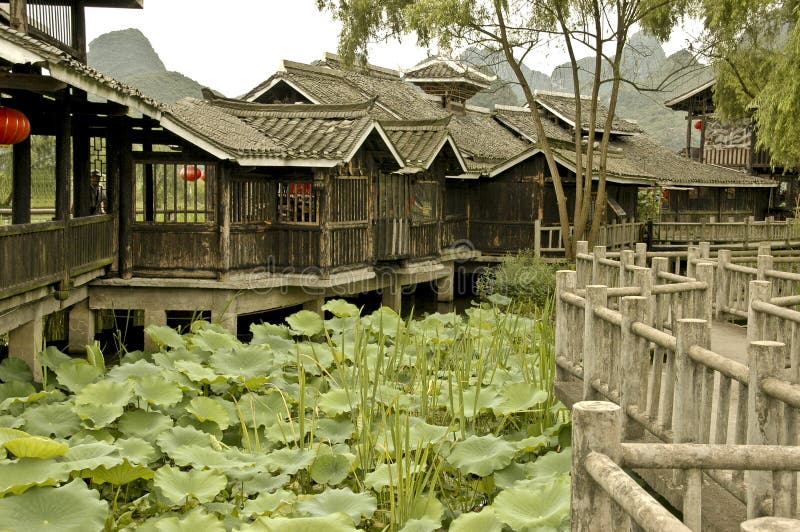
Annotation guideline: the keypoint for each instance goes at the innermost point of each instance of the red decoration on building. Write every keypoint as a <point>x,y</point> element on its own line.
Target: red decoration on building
<point>192,173</point>
<point>14,126</point>
<point>698,124</point>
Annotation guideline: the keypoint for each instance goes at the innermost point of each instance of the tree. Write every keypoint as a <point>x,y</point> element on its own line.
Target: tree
<point>515,28</point>
<point>754,47</point>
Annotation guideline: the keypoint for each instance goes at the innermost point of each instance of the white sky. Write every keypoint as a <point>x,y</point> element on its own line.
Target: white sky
<point>235,48</point>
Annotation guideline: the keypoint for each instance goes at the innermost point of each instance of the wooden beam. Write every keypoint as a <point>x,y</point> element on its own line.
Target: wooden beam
<point>126,195</point>
<point>21,192</point>
<point>63,160</point>
<point>80,169</point>
<point>19,18</point>
<point>30,82</point>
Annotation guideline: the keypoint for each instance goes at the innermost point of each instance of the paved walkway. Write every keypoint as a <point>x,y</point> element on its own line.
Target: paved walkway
<point>729,340</point>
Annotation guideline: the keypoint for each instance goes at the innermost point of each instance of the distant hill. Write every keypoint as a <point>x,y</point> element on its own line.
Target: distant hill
<point>644,63</point>
<point>128,56</point>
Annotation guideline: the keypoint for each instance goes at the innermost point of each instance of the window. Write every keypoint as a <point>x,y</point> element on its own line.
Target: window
<point>297,202</point>
<point>425,201</point>
<point>252,199</point>
<point>175,193</point>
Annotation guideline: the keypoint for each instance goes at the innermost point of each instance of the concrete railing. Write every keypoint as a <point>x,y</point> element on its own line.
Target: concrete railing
<point>605,497</point>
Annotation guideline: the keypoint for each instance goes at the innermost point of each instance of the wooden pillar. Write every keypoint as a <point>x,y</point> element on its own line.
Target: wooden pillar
<point>113,166</point>
<point>689,135</point>
<point>21,188</point>
<point>82,326</point>
<point>63,157</point>
<point>27,341</point>
<point>81,188</point>
<point>126,190</point>
<point>19,18</point>
<point>765,359</point>
<point>224,219</point>
<point>596,427</point>
<point>148,192</point>
<point>79,30</point>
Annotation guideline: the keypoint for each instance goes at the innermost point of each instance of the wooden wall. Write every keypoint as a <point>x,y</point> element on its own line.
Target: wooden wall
<point>722,204</point>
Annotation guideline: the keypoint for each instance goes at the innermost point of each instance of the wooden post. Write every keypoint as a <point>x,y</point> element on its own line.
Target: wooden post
<point>113,166</point>
<point>599,253</point>
<point>79,30</point>
<point>224,221</point>
<point>722,282</point>
<point>764,264</point>
<point>126,193</point>
<point>81,180</point>
<point>566,281</point>
<point>634,353</point>
<point>641,254</point>
<point>21,188</point>
<point>537,238</point>
<point>19,17</point>
<point>596,427</point>
<point>756,321</point>
<point>596,296</point>
<point>765,359</point>
<point>63,154</point>
<point>626,259</point>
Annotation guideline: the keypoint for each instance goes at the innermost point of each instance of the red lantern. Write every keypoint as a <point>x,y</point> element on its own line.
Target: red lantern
<point>698,124</point>
<point>202,175</point>
<point>191,173</point>
<point>14,126</point>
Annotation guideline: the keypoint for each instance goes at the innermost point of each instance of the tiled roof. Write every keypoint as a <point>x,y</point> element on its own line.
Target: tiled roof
<point>519,120</point>
<point>280,131</point>
<point>487,142</point>
<point>418,141</point>
<point>563,106</point>
<point>439,69</point>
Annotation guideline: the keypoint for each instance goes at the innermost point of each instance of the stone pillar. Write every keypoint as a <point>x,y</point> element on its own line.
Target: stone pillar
<point>153,317</point>
<point>770,524</point>
<point>445,286</point>
<point>315,305</point>
<point>26,342</point>
<point>393,295</point>
<point>81,327</point>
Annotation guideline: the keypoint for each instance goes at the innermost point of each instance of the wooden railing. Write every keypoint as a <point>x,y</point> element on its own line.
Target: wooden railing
<point>349,247</point>
<point>653,358</point>
<point>39,254</point>
<point>724,234</point>
<point>454,231</point>
<point>424,240</point>
<point>175,250</point>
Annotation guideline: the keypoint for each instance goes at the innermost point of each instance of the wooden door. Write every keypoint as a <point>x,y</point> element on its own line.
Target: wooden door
<point>392,216</point>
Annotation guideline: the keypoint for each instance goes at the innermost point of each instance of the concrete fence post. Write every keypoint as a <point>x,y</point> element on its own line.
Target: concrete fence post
<point>705,250</point>
<point>641,254</point>
<point>634,361</point>
<point>581,265</point>
<point>565,282</point>
<point>770,524</point>
<point>596,427</point>
<point>686,414</point>
<point>537,238</point>
<point>765,248</point>
<point>692,254</point>
<point>599,253</point>
<point>704,272</point>
<point>765,359</point>
<point>764,263</point>
<point>722,282</point>
<point>596,296</point>
<point>747,222</point>
<point>756,321</point>
<point>626,258</point>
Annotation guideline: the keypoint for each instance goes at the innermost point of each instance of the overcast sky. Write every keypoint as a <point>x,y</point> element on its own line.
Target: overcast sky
<point>235,47</point>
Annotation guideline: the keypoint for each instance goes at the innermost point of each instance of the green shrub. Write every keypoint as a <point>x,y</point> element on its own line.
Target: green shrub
<point>528,280</point>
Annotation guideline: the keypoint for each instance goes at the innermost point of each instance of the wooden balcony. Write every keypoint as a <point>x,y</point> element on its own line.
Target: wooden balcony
<point>41,254</point>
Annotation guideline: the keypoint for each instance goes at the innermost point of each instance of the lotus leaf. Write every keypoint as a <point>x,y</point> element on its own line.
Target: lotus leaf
<point>120,474</point>
<point>337,522</point>
<point>426,506</point>
<point>70,508</point>
<point>10,422</point>
<point>305,323</point>
<point>15,389</point>
<point>142,424</point>
<point>356,505</point>
<point>285,432</point>
<point>197,372</point>
<point>386,322</point>
<point>340,308</point>
<point>167,336</point>
<point>168,359</point>
<point>282,348</point>
<point>499,300</point>
<point>178,486</point>
<point>258,481</point>
<point>315,357</point>
<point>51,357</point>
<point>263,330</point>
<point>334,431</point>
<point>266,503</point>
<point>249,361</point>
<point>335,402</point>
<point>135,370</point>
<point>92,436</point>
<point>17,477</point>
<point>339,325</point>
<point>209,427</point>
<point>35,447</point>
<point>481,455</point>
<point>55,419</point>
<point>531,444</point>
<point>195,521</point>
<point>330,469</point>
<point>102,402</point>
<point>157,391</point>
<point>15,369</point>
<point>483,521</point>
<point>202,457</point>
<point>552,464</point>
<point>381,476</point>
<point>522,508</point>
<point>207,409</point>
<point>88,456</point>
<point>477,399</point>
<point>290,461</point>
<point>76,374</point>
<point>424,524</point>
<point>137,450</point>
<point>177,437</point>
<point>263,409</point>
<point>11,434</point>
<point>515,472</point>
<point>214,341</point>
<point>519,397</point>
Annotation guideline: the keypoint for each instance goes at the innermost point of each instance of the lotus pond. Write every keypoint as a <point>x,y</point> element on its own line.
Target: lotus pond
<point>354,422</point>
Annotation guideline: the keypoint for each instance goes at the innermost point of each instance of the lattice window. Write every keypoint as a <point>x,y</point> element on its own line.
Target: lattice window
<point>297,202</point>
<point>252,200</point>
<point>175,193</point>
<point>425,201</point>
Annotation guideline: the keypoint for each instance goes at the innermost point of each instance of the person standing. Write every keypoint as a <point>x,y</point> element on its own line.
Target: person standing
<point>97,202</point>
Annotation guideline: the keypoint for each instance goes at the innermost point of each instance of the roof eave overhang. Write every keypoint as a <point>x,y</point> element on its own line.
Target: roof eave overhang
<point>448,81</point>
<point>525,155</point>
<point>717,185</point>
<point>375,126</point>
<point>304,93</point>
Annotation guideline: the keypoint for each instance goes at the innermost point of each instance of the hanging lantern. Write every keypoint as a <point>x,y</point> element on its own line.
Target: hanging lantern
<point>14,126</point>
<point>203,175</point>
<point>698,124</point>
<point>191,173</point>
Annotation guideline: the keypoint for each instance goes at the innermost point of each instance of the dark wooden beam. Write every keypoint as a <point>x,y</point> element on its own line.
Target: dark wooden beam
<point>114,147</point>
<point>224,218</point>
<point>149,184</point>
<point>81,188</point>
<point>21,192</point>
<point>63,160</point>
<point>79,30</point>
<point>173,157</point>
<point>126,195</point>
<point>30,82</point>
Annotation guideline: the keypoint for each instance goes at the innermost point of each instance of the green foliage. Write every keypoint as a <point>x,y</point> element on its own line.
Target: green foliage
<point>382,424</point>
<point>526,279</point>
<point>648,204</point>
